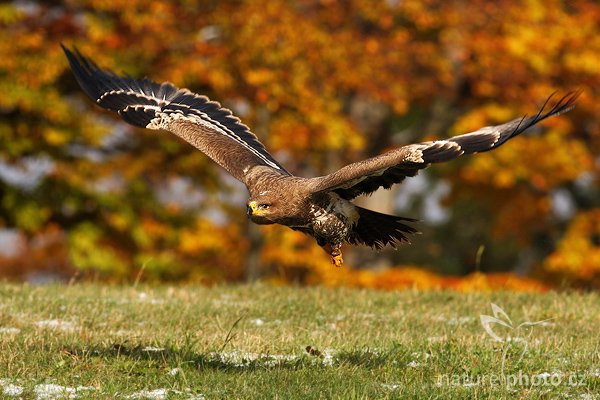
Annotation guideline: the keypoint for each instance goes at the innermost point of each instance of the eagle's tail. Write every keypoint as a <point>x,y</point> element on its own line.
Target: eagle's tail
<point>378,230</point>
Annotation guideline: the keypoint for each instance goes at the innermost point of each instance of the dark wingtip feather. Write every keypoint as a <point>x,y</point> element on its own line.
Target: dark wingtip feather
<point>139,101</point>
<point>513,128</point>
<point>563,105</point>
<point>82,69</point>
<point>113,92</point>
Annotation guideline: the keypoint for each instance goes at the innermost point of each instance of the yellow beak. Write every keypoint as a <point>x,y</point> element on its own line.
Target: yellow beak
<point>253,209</point>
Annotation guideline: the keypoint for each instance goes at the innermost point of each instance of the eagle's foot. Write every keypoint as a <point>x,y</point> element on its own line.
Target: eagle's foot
<point>336,254</point>
<point>337,259</point>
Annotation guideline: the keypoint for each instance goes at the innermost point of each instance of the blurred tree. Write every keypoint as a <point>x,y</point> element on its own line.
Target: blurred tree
<point>322,83</point>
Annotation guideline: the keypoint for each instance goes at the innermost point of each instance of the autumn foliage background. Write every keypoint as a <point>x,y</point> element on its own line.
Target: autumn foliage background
<point>322,83</point>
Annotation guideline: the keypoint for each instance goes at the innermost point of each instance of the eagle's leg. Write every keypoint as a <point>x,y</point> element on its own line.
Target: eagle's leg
<point>336,253</point>
<point>336,258</point>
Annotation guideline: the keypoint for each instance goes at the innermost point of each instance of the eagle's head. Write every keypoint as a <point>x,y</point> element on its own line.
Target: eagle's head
<point>262,210</point>
<point>279,201</point>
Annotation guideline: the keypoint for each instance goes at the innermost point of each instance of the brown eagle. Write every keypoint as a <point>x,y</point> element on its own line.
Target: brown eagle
<point>320,207</point>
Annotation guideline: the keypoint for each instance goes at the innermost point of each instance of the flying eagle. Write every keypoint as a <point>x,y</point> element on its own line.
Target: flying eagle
<point>320,207</point>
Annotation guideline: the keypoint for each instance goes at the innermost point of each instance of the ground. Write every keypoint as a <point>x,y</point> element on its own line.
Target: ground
<point>259,341</point>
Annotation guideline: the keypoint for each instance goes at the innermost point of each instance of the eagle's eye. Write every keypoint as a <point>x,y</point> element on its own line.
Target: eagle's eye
<point>263,206</point>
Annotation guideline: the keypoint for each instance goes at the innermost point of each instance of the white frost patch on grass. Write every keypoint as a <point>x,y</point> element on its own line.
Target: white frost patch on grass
<point>159,394</point>
<point>56,324</point>
<point>595,373</point>
<point>243,359</point>
<point>329,357</point>
<point>10,389</point>
<point>240,359</point>
<point>150,394</point>
<point>51,391</point>
<point>276,359</point>
<point>9,331</point>
<point>582,396</point>
<point>151,348</point>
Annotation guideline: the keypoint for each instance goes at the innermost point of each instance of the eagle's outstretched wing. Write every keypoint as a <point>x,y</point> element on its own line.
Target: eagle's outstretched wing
<point>393,167</point>
<point>199,121</point>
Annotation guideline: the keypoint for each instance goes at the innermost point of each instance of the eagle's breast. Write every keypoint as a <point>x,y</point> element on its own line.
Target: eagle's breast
<point>332,217</point>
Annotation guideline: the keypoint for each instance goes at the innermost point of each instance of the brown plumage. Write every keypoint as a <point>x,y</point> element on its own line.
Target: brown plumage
<point>320,207</point>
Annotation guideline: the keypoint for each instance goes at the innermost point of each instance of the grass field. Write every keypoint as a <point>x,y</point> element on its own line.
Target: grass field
<point>258,341</point>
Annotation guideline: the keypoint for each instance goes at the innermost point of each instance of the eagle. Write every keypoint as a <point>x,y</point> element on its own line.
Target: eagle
<point>320,207</point>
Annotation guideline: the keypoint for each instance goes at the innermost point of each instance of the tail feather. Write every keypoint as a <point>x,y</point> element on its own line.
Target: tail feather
<point>379,230</point>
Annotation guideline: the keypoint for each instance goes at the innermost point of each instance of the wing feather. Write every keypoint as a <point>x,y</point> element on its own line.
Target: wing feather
<point>393,167</point>
<point>198,120</point>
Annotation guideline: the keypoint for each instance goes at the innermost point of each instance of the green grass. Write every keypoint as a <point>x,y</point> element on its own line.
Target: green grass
<point>250,342</point>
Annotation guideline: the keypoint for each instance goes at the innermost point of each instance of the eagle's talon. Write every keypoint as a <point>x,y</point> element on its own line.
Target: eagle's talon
<point>337,260</point>
<point>335,252</point>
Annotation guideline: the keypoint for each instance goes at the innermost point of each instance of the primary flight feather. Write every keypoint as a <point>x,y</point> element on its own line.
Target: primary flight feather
<point>320,207</point>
